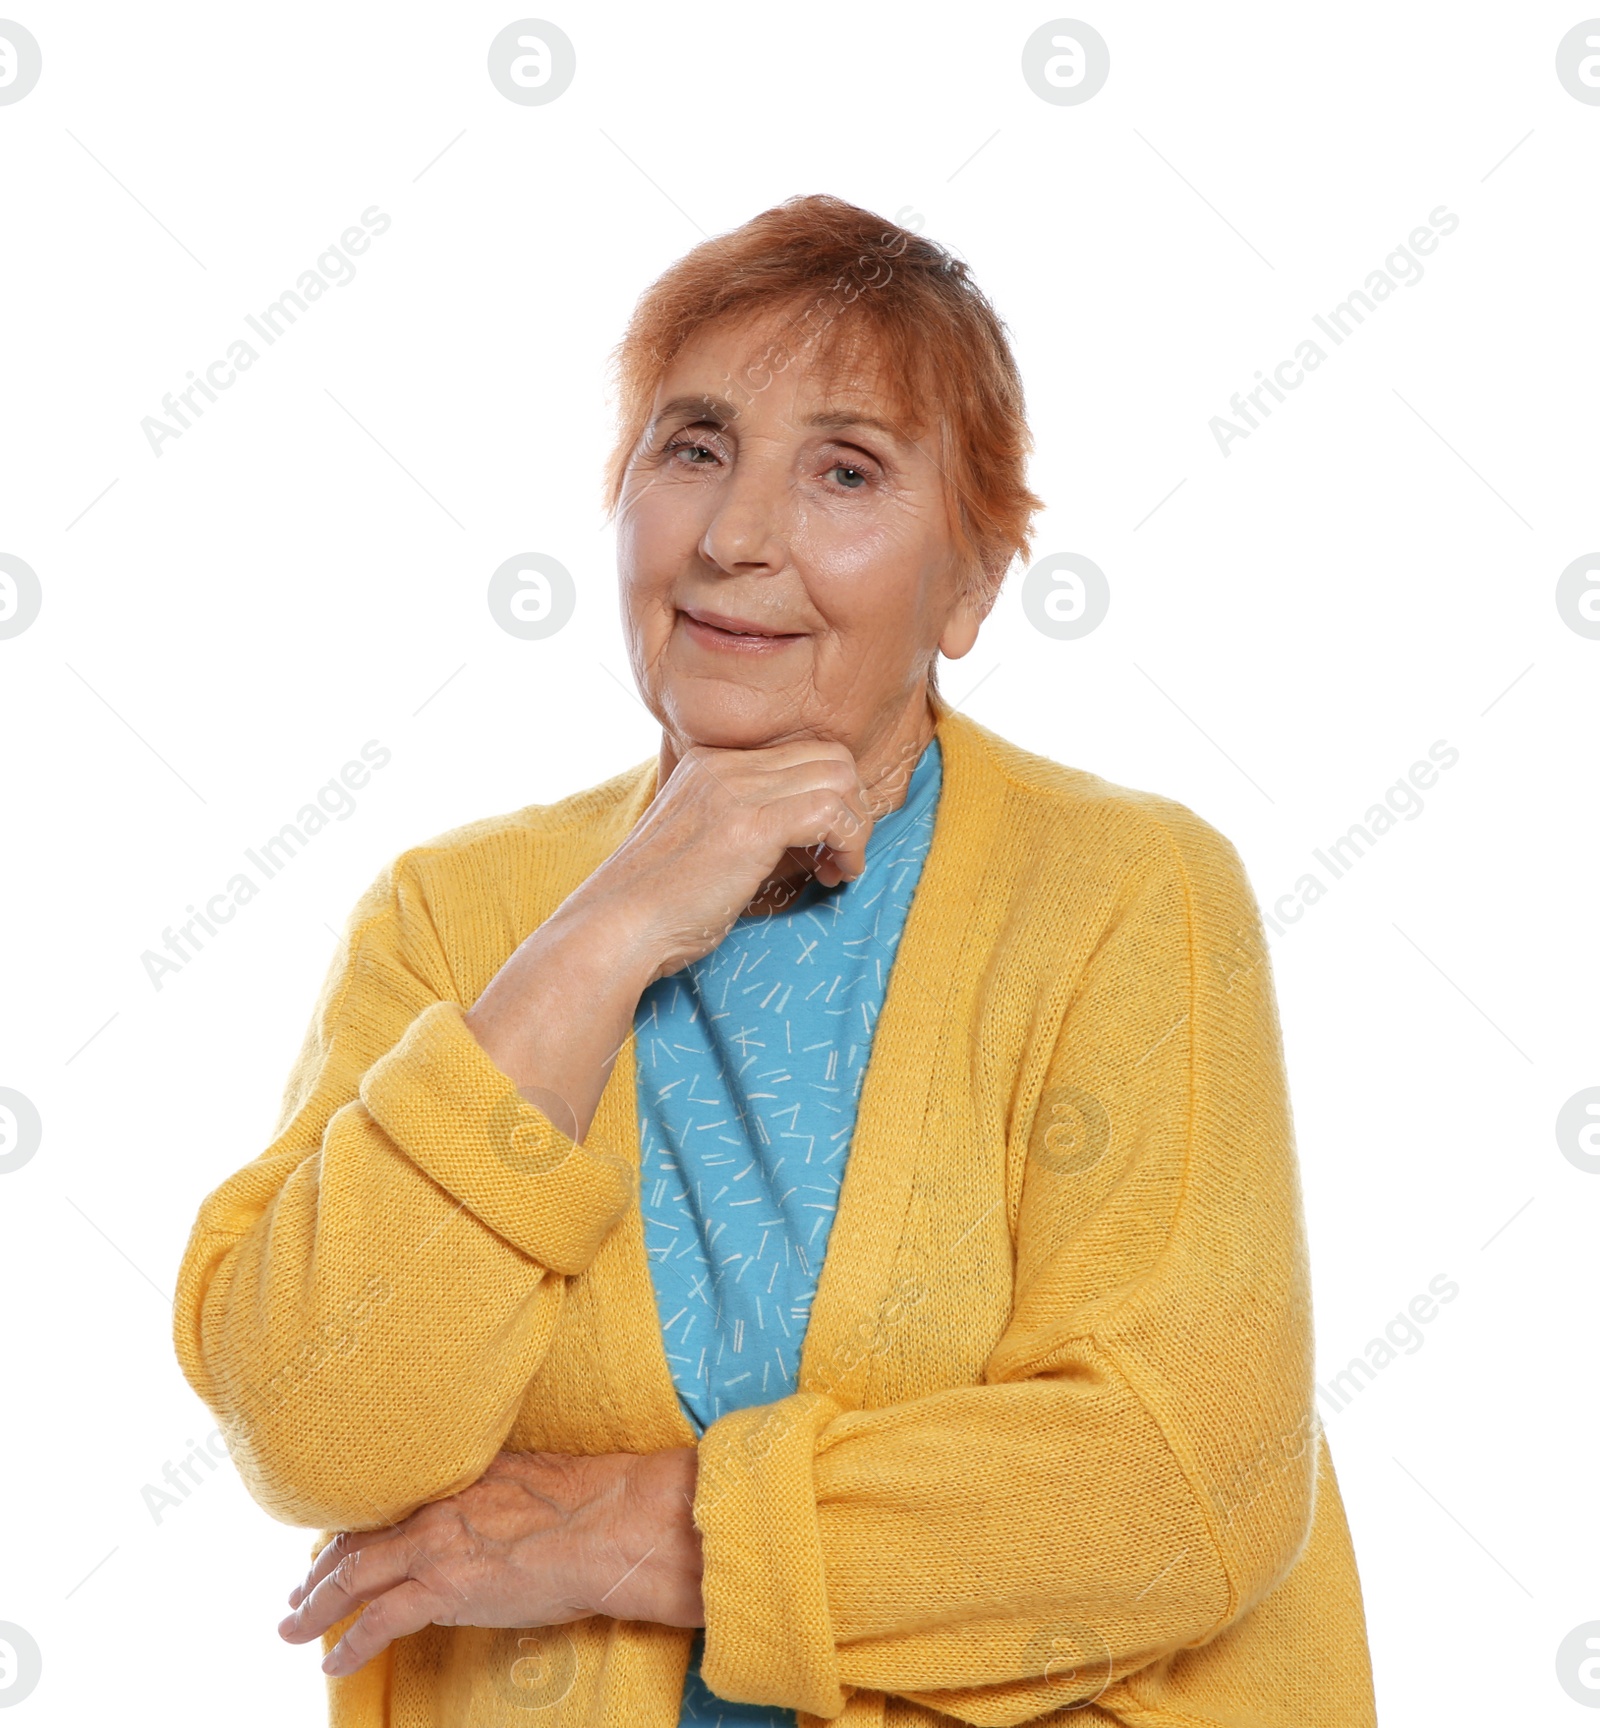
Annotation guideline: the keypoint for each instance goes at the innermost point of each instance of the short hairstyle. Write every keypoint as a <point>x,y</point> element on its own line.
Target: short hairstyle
<point>861,289</point>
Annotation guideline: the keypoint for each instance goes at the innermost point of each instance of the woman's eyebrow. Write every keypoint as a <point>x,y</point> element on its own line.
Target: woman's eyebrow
<point>844,421</point>
<point>709,408</point>
<point>714,411</point>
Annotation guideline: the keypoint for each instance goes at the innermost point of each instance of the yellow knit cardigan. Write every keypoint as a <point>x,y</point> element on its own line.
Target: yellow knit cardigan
<point>1055,1455</point>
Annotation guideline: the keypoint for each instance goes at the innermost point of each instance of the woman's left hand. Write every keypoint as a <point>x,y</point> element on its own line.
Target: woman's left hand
<point>540,1539</point>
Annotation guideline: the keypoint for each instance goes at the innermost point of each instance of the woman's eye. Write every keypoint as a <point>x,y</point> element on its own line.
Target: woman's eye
<point>856,479</point>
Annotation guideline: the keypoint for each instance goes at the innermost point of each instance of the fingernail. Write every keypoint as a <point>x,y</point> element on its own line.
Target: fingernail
<point>295,1595</point>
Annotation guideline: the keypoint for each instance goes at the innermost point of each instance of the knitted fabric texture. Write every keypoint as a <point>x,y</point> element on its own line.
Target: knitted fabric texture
<point>1054,1454</point>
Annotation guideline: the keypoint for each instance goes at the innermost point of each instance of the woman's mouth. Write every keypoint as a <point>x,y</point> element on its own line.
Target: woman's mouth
<point>734,635</point>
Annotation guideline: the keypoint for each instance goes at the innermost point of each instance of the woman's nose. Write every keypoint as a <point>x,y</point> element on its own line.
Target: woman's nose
<point>749,527</point>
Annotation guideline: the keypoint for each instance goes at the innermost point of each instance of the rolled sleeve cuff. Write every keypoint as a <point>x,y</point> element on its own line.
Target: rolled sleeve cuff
<point>768,1634</point>
<point>459,1119</point>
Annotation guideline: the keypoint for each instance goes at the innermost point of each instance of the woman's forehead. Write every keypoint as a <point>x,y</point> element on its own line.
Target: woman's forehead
<point>842,377</point>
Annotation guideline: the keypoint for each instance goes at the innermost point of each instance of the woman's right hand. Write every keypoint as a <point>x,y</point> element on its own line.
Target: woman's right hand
<point>725,823</point>
<point>556,1014</point>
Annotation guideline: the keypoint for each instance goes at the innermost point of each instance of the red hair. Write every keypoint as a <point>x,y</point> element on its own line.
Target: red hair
<point>861,289</point>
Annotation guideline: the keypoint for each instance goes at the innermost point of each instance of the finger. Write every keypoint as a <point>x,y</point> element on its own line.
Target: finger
<point>328,1556</point>
<point>839,778</point>
<point>398,1612</point>
<point>845,844</point>
<point>833,821</point>
<point>847,837</point>
<point>842,857</point>
<point>793,752</point>
<point>750,777</point>
<point>828,872</point>
<point>363,1574</point>
<point>738,773</point>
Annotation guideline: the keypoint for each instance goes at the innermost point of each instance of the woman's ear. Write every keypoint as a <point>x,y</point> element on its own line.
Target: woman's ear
<point>979,590</point>
<point>960,631</point>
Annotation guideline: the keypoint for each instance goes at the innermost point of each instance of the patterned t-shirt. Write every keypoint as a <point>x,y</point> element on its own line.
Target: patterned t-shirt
<point>750,1063</point>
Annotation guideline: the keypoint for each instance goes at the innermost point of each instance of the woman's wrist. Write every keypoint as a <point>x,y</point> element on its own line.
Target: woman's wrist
<point>607,939</point>
<point>639,1557</point>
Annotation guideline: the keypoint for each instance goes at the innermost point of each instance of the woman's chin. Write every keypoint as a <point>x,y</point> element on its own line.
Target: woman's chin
<point>728,722</point>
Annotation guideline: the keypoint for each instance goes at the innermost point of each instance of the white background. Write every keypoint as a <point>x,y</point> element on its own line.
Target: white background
<point>305,569</point>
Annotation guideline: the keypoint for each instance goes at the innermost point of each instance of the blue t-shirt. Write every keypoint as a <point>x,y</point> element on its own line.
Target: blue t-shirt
<point>750,1063</point>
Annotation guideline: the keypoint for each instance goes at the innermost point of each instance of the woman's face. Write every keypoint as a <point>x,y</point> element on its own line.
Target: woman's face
<point>785,554</point>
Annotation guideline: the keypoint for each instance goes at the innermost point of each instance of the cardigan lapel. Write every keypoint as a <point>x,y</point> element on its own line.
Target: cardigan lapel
<point>923,1017</point>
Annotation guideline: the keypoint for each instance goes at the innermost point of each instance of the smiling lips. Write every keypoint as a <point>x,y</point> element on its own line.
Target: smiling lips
<point>740,635</point>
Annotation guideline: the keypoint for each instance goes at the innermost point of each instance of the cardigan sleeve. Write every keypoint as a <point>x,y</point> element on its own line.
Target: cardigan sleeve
<point>363,1305</point>
<point>1136,1469</point>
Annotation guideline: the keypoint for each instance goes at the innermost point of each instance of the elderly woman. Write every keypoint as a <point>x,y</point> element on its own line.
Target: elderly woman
<point>808,1228</point>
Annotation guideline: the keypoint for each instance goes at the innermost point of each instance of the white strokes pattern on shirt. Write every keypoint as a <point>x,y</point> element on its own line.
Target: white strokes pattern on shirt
<point>750,1063</point>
